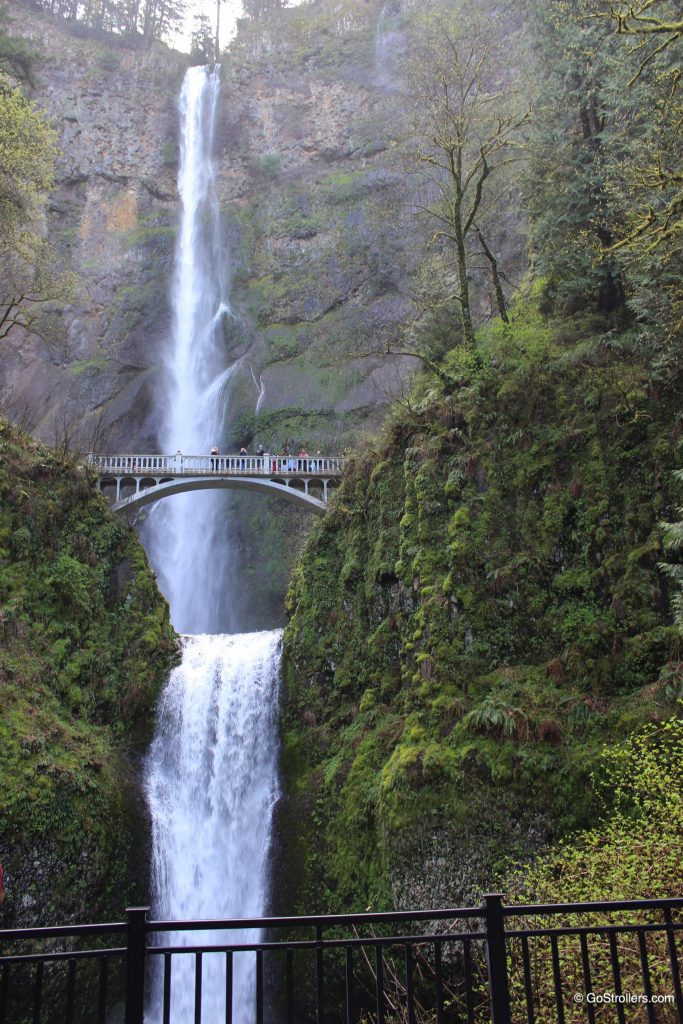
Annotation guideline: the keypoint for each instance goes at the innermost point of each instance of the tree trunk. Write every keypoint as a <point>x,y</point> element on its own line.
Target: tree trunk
<point>495,277</point>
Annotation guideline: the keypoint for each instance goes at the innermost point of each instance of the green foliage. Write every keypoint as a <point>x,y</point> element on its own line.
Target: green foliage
<point>633,851</point>
<point>604,201</point>
<point>481,609</point>
<point>27,156</point>
<point>86,643</point>
<point>673,542</point>
<point>269,165</point>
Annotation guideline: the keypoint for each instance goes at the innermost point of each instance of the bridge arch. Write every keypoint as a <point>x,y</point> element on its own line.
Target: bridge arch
<point>148,495</point>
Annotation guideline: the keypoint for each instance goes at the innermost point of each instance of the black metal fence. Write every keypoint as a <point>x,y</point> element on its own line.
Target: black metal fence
<point>554,964</point>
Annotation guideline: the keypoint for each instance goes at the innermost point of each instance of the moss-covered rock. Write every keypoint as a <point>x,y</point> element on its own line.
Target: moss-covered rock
<point>476,615</point>
<point>86,644</point>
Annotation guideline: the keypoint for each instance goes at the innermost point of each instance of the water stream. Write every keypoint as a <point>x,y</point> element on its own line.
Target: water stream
<point>211,776</point>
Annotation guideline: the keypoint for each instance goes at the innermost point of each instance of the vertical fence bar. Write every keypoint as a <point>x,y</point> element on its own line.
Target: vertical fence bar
<point>102,995</point>
<point>410,997</point>
<point>439,983</point>
<point>168,967</point>
<point>71,992</point>
<point>4,993</point>
<point>496,959</point>
<point>528,987</point>
<point>289,984</point>
<point>38,992</point>
<point>379,973</point>
<point>616,974</point>
<point>259,986</point>
<point>228,987</point>
<point>135,964</point>
<point>469,1000</point>
<point>319,985</point>
<point>673,957</point>
<point>350,1010</point>
<point>647,981</point>
<point>557,979</point>
<point>587,979</point>
<point>198,988</point>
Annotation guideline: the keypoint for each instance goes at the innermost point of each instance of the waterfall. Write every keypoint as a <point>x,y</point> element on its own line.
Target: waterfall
<point>211,773</point>
<point>185,536</point>
<point>388,46</point>
<point>211,786</point>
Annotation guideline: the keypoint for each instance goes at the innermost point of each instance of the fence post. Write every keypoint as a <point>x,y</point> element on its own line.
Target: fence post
<point>135,964</point>
<point>497,959</point>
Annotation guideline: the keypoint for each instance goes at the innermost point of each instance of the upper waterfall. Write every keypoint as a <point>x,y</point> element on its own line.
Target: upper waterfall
<point>188,539</point>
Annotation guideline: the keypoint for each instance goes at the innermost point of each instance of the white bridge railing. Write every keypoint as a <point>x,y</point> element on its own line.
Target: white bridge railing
<point>221,465</point>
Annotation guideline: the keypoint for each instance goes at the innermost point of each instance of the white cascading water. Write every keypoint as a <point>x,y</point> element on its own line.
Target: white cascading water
<point>211,785</point>
<point>185,536</point>
<point>211,775</point>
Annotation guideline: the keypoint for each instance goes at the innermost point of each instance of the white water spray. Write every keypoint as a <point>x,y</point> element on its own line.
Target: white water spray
<point>211,776</point>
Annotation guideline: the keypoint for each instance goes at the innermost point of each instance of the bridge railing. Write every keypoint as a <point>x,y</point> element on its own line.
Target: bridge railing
<point>192,465</point>
<point>546,964</point>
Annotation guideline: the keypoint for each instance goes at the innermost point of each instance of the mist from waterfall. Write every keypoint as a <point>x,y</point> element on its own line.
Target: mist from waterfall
<point>211,773</point>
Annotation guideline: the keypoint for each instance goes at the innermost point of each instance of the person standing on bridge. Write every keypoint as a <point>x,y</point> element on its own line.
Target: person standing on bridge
<point>214,458</point>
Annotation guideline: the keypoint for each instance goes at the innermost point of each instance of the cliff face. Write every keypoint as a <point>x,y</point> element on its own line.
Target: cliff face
<point>319,231</point>
<point>478,614</point>
<point>320,235</point>
<point>110,220</point>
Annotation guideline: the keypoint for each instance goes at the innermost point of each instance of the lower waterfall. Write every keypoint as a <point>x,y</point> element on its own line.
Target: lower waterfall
<point>211,781</point>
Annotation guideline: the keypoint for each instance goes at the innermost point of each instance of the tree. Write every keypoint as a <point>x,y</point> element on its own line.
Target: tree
<point>202,45</point>
<point>257,9</point>
<point>577,146</point>
<point>17,57</point>
<point>161,17</point>
<point>27,157</point>
<point>471,129</point>
<point>650,33</point>
<point>28,279</point>
<point>31,284</point>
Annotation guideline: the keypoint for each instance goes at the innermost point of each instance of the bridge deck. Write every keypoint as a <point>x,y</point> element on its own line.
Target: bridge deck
<point>139,479</point>
<point>192,465</point>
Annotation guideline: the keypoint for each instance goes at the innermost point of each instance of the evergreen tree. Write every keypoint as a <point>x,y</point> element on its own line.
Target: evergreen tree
<point>577,147</point>
<point>256,9</point>
<point>203,44</point>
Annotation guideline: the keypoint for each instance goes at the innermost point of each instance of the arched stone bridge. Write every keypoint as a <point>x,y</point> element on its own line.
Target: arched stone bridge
<point>132,481</point>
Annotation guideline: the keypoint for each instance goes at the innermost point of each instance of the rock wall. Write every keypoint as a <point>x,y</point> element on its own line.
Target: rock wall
<point>111,219</point>
<point>321,231</point>
<point>317,231</point>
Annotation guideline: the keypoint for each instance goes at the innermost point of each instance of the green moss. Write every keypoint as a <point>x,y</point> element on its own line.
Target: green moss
<point>86,643</point>
<point>481,610</point>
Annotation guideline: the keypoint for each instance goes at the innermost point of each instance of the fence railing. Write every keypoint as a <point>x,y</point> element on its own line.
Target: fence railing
<point>590,962</point>
<point>179,464</point>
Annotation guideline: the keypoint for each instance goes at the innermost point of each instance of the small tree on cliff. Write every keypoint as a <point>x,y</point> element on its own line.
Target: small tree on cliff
<point>28,279</point>
<point>470,126</point>
<point>203,42</point>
